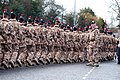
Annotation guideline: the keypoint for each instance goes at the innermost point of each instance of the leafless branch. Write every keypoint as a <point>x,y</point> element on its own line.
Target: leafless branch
<point>115,11</point>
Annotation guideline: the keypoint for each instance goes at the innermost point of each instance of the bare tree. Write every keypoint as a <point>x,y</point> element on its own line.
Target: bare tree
<point>116,8</point>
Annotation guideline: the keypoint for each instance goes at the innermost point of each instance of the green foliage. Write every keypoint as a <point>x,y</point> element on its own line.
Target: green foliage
<point>27,7</point>
<point>37,8</point>
<point>47,9</point>
<point>3,4</point>
<point>69,18</point>
<point>18,8</point>
<point>52,10</point>
<point>100,22</point>
<point>87,10</point>
<point>86,16</point>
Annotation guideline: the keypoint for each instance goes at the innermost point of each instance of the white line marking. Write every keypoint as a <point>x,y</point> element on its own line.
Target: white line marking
<point>86,75</point>
<point>84,78</point>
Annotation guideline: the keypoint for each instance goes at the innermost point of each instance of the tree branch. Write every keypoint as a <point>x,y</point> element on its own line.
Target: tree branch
<point>115,11</point>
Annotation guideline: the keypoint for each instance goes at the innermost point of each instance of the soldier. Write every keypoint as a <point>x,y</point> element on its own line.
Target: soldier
<point>92,55</point>
<point>4,21</point>
<point>13,39</point>
<point>29,22</point>
<point>6,50</point>
<point>5,16</point>
<point>30,51</point>
<point>12,15</point>
<point>57,22</point>
<point>21,20</point>
<point>67,28</point>
<point>66,43</point>
<point>96,53</point>
<point>6,43</point>
<point>48,23</point>
<point>58,45</point>
<point>75,43</point>
<point>13,20</point>
<point>62,26</point>
<point>44,46</point>
<point>41,23</point>
<point>36,21</point>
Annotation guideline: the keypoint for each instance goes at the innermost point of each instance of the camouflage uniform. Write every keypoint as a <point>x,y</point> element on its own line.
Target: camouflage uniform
<point>92,56</point>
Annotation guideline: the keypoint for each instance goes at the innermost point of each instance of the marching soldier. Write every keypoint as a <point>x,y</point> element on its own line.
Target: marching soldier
<point>13,20</point>
<point>47,45</point>
<point>57,22</point>
<point>3,53</point>
<point>41,23</point>
<point>5,16</point>
<point>92,55</point>
<point>29,22</point>
<point>36,22</point>
<point>21,20</point>
<point>4,21</point>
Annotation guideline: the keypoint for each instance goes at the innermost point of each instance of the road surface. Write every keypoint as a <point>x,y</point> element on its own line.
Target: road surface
<point>74,71</point>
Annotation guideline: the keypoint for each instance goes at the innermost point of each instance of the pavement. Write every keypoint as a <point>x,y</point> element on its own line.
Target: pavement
<point>74,71</point>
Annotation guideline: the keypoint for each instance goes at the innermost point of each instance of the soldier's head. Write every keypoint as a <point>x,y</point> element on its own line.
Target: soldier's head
<point>48,22</point>
<point>68,27</point>
<point>12,15</point>
<point>110,32</point>
<point>93,24</point>
<point>5,14</point>
<point>62,26</point>
<point>29,20</point>
<point>41,21</point>
<point>21,19</point>
<point>36,20</point>
<point>93,21</point>
<point>114,35</point>
<point>52,25</point>
<point>75,28</point>
<point>57,22</point>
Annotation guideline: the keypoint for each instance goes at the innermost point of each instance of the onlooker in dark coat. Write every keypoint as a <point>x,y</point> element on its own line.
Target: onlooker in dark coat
<point>118,53</point>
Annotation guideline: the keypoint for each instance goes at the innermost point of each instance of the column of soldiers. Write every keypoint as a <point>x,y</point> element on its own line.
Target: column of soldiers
<point>28,45</point>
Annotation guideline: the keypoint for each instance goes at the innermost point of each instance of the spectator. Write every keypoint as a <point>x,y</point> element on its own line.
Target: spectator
<point>118,52</point>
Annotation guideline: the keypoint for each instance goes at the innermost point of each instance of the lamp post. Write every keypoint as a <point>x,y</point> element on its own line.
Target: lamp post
<point>111,24</point>
<point>62,14</point>
<point>74,12</point>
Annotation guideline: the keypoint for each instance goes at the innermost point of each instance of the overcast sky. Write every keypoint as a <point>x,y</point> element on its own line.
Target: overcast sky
<point>100,7</point>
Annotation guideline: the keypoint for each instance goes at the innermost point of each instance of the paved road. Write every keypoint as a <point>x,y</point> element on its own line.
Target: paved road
<point>76,71</point>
